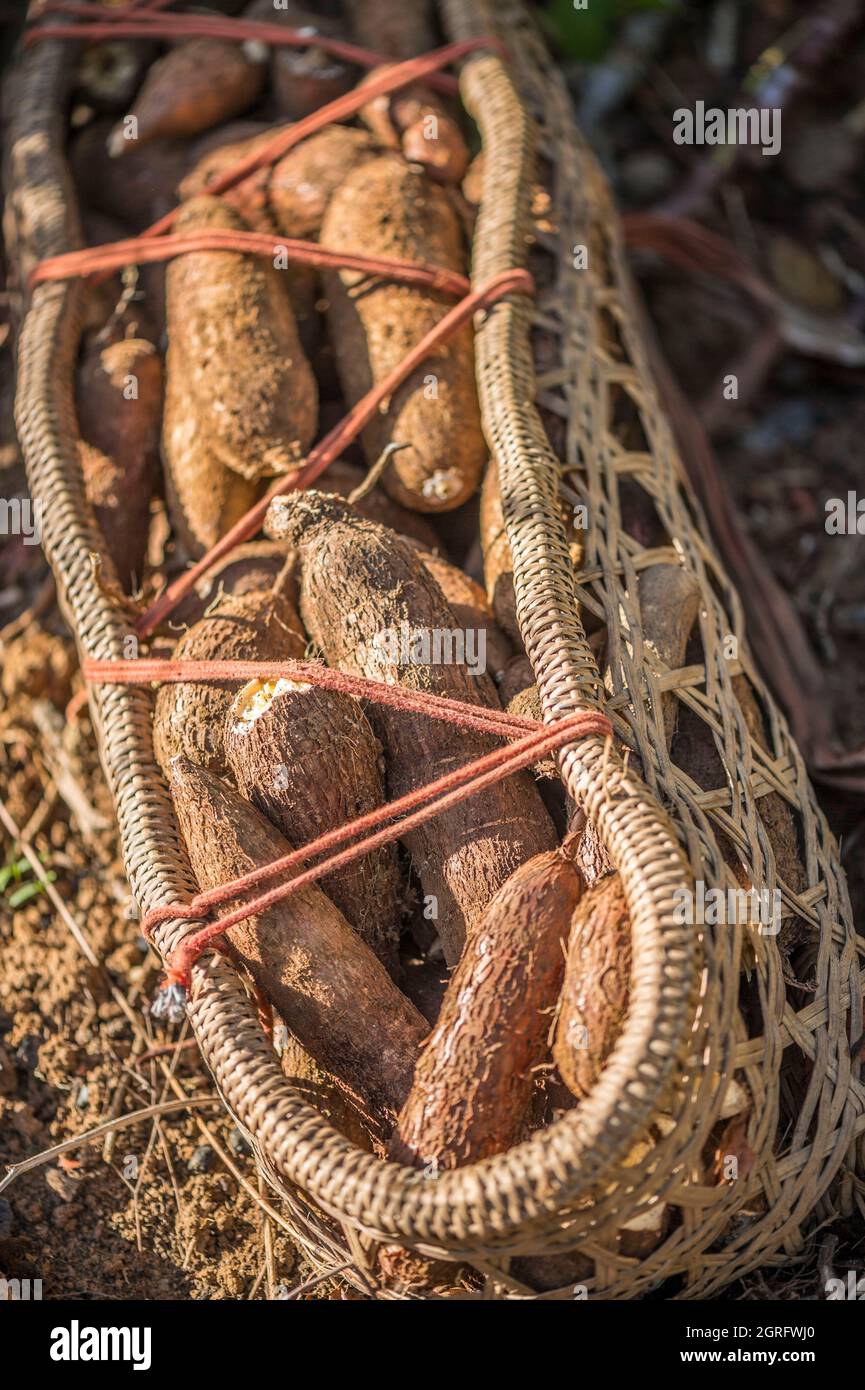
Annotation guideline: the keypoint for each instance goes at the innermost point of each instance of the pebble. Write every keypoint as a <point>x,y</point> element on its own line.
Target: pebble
<point>27,1052</point>
<point>202,1159</point>
<point>66,1187</point>
<point>237,1143</point>
<point>82,1099</point>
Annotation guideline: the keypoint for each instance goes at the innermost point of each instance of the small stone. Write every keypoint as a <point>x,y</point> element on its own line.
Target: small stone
<point>237,1143</point>
<point>27,1052</point>
<point>82,1099</point>
<point>202,1159</point>
<point>66,1187</point>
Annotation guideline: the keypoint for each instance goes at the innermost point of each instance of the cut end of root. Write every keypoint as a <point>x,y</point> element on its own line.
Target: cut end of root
<point>442,485</point>
<point>257,696</point>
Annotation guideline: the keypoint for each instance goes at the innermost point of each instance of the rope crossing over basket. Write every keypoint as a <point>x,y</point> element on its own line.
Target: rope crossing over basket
<point>538,739</point>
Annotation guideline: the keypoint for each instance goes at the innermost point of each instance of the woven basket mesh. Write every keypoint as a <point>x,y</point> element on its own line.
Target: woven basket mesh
<point>706,1004</point>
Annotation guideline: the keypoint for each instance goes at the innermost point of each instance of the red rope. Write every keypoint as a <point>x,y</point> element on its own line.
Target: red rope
<point>148,23</point>
<point>168,671</point>
<point>440,794</point>
<point>534,740</point>
<point>113,254</point>
<point>144,24</point>
<point>333,444</point>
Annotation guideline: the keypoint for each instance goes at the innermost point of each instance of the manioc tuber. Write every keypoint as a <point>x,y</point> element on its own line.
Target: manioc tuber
<point>190,716</point>
<point>473,1080</point>
<point>303,79</point>
<point>468,603</point>
<point>204,498</point>
<point>395,30</point>
<point>195,86</point>
<point>234,356</point>
<point>119,407</point>
<point>248,567</point>
<point>308,759</point>
<point>320,1090</point>
<point>596,989</point>
<point>498,561</point>
<point>374,611</point>
<point>108,74</point>
<point>390,209</point>
<point>416,121</point>
<point>291,195</point>
<point>137,189</point>
<point>669,599</point>
<point>335,997</point>
<point>516,677</point>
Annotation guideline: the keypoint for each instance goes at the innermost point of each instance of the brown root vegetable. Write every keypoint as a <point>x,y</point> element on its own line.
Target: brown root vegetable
<point>498,561</point>
<point>474,1078</point>
<point>696,754</point>
<point>319,1089</point>
<point>107,74</point>
<point>394,30</point>
<point>595,993</point>
<point>434,140</point>
<point>304,180</point>
<point>775,813</point>
<point>308,759</point>
<point>468,603</point>
<point>303,79</point>
<point>137,189</point>
<point>669,600</point>
<point>516,677</point>
<point>244,570</point>
<point>473,183</point>
<point>250,198</point>
<point>204,498</point>
<point>190,716</point>
<point>119,406</point>
<point>195,86</point>
<point>290,196</point>
<point>373,610</point>
<point>234,355</point>
<point>391,209</point>
<point>418,122</point>
<point>335,997</point>
<point>527,704</point>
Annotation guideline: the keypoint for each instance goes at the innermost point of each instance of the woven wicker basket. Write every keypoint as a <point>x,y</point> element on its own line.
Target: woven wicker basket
<point>706,1003</point>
